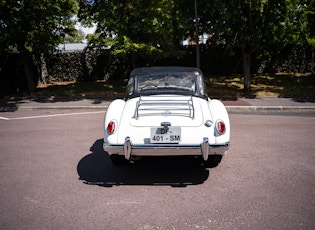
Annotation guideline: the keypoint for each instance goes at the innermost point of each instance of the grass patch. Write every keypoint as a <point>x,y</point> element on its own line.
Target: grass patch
<point>298,86</point>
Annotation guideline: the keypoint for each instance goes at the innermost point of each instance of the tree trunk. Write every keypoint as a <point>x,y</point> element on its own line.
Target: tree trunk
<point>43,70</point>
<point>246,70</point>
<point>28,72</point>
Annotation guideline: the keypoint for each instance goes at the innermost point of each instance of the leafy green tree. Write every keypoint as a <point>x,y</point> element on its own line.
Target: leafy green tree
<point>154,28</point>
<point>310,11</point>
<point>256,25</point>
<point>302,18</point>
<point>77,37</point>
<point>32,27</point>
<point>151,29</point>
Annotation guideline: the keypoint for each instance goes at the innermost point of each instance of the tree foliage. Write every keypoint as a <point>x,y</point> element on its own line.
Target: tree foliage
<point>156,27</point>
<point>77,37</point>
<point>142,32</point>
<point>256,26</point>
<point>35,25</point>
<point>138,27</point>
<point>31,27</point>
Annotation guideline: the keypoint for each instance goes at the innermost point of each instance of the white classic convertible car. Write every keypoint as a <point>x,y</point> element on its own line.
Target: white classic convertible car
<point>166,112</point>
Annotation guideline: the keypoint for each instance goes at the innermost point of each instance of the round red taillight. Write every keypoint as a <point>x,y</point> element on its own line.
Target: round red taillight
<point>111,127</point>
<point>220,127</point>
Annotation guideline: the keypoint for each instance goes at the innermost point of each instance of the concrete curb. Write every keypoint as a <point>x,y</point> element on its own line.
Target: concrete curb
<point>100,107</point>
<point>269,108</point>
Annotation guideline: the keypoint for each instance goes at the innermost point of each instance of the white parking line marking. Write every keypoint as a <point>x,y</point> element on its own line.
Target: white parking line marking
<point>50,115</point>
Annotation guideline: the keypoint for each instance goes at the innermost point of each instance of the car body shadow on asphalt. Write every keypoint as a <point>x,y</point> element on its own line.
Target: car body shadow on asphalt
<point>96,168</point>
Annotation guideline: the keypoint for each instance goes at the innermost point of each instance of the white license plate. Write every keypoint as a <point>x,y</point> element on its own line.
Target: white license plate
<point>161,135</point>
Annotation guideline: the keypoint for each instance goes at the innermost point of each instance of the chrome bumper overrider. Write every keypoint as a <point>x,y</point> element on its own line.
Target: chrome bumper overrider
<point>204,149</point>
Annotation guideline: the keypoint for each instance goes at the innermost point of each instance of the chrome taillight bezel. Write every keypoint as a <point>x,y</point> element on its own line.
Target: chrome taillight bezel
<point>220,126</point>
<point>111,127</point>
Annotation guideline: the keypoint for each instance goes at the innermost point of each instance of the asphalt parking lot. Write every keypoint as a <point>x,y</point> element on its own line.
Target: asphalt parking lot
<point>55,175</point>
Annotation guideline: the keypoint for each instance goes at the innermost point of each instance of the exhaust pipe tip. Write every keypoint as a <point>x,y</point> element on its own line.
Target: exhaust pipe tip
<point>132,160</point>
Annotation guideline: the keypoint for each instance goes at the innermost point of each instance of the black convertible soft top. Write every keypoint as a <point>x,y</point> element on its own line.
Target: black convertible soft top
<point>161,69</point>
<point>135,89</point>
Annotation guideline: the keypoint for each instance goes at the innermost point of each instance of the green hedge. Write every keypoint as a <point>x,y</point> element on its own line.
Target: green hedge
<point>95,64</point>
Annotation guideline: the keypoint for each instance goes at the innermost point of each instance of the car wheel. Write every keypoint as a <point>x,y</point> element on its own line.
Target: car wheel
<point>117,159</point>
<point>213,161</point>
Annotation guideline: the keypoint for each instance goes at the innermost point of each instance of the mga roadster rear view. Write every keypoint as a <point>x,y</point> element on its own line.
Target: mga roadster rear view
<point>166,112</point>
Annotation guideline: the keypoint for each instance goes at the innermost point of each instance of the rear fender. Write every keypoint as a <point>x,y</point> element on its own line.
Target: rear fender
<point>113,113</point>
<point>219,112</point>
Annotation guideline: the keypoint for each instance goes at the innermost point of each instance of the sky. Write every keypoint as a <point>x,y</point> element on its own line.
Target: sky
<point>86,30</point>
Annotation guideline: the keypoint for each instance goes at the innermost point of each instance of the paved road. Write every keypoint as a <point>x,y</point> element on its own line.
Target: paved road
<point>54,175</point>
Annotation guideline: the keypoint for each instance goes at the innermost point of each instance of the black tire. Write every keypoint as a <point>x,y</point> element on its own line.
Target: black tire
<point>213,161</point>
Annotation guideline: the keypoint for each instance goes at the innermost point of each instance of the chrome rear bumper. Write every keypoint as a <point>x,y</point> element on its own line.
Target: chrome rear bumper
<point>204,149</point>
